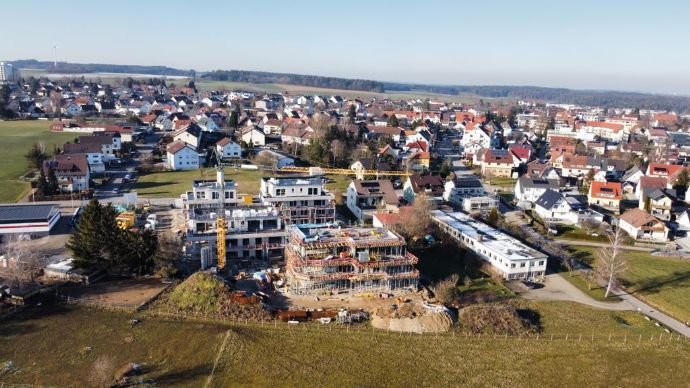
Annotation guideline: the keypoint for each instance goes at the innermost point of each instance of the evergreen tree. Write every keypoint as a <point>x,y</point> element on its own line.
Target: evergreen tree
<point>352,113</point>
<point>493,217</point>
<point>42,184</point>
<point>93,237</point>
<point>36,156</point>
<point>134,251</point>
<point>52,185</point>
<point>393,121</point>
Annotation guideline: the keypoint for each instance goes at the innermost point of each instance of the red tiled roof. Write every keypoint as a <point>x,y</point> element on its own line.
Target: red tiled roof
<point>608,190</point>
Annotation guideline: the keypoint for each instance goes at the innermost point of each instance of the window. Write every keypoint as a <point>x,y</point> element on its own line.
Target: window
<point>215,195</point>
<point>541,262</point>
<point>522,265</point>
<point>280,192</point>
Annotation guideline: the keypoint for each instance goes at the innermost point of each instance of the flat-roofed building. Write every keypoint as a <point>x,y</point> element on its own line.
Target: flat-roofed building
<point>300,200</point>
<point>507,256</point>
<point>28,219</point>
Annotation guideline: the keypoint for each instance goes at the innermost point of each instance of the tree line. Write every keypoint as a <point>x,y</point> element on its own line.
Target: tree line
<point>65,67</point>
<point>602,98</point>
<point>260,77</point>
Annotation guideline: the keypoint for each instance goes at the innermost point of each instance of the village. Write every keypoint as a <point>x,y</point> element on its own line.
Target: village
<point>332,209</point>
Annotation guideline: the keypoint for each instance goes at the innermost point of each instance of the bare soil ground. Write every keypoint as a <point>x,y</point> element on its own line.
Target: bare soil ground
<point>349,302</point>
<point>116,292</point>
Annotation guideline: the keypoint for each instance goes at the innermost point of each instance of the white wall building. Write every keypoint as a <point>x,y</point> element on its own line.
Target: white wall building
<point>182,156</point>
<point>507,255</point>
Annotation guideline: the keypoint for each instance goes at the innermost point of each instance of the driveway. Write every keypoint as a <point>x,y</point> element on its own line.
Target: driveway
<point>557,288</point>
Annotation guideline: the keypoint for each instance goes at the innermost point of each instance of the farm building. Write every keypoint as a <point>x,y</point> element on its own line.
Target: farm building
<point>28,219</point>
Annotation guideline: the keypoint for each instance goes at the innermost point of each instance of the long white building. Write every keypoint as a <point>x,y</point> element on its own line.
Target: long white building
<point>507,255</point>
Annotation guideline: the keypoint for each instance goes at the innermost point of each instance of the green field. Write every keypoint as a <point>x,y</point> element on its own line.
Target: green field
<point>173,183</point>
<point>16,138</point>
<point>662,282</point>
<point>60,347</point>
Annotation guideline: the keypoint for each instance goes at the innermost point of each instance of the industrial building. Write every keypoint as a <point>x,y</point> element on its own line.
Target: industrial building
<point>28,219</point>
<point>327,258</point>
<point>300,200</point>
<point>507,255</point>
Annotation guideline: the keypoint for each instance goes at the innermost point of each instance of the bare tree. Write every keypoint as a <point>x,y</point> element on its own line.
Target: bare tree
<point>610,263</point>
<point>56,102</point>
<point>265,159</point>
<point>319,123</point>
<point>420,217</point>
<point>23,262</point>
<point>339,150</point>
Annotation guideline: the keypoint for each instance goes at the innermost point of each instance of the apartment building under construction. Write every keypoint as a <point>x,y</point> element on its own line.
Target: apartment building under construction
<point>327,258</point>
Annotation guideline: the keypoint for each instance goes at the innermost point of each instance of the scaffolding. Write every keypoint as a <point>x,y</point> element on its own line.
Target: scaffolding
<point>326,259</point>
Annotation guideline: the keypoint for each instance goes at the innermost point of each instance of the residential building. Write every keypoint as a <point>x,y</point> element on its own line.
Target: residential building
<point>227,148</point>
<point>93,153</point>
<point>300,200</point>
<point>253,135</point>
<point>642,226</point>
<point>658,202</point>
<point>364,198</point>
<point>456,190</point>
<point>181,156</point>
<point>479,204</point>
<point>206,194</point>
<point>429,185</point>
<point>528,190</point>
<point>552,207</point>
<point>336,259</point>
<point>8,72</point>
<point>72,171</point>
<point>606,195</point>
<point>507,256</point>
<point>497,164</point>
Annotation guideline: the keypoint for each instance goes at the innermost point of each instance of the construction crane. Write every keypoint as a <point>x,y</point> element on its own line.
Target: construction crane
<point>360,172</point>
<point>220,215</point>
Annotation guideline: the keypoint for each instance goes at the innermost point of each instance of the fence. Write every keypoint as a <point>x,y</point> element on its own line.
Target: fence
<point>316,328</point>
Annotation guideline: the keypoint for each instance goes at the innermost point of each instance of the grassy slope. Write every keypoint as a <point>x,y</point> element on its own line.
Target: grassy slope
<point>662,282</point>
<point>16,137</point>
<point>49,351</point>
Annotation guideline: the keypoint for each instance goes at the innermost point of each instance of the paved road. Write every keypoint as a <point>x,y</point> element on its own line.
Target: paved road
<point>558,288</point>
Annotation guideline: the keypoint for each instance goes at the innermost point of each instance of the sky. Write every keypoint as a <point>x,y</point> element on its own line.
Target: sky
<point>605,44</point>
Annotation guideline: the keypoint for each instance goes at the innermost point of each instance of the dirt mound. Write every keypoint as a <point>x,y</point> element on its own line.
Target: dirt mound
<point>495,319</point>
<point>411,317</point>
<point>206,294</point>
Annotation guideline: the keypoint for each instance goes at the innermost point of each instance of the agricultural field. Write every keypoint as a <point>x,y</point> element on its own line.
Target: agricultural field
<point>16,138</point>
<point>660,281</point>
<point>67,346</point>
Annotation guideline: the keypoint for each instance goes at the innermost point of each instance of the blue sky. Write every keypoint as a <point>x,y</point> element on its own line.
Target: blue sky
<point>623,45</point>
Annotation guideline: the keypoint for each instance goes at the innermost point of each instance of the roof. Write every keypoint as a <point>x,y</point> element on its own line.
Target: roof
<point>79,148</point>
<point>382,187</point>
<point>427,182</point>
<point>528,182</point>
<point>638,217</point>
<point>548,199</point>
<point>467,182</point>
<point>609,190</point>
<point>176,146</point>
<point>401,217</point>
<point>68,165</point>
<point>19,213</point>
<point>603,124</point>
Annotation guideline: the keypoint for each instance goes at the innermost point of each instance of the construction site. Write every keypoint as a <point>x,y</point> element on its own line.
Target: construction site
<point>329,259</point>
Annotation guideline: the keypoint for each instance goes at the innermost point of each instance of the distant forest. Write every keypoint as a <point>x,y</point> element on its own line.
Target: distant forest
<point>74,68</point>
<point>603,98</point>
<point>260,77</point>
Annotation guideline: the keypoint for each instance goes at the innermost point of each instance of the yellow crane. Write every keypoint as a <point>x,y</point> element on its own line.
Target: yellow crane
<point>360,173</point>
<point>220,214</point>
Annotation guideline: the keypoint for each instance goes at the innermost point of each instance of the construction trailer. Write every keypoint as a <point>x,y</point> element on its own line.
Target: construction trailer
<point>326,258</point>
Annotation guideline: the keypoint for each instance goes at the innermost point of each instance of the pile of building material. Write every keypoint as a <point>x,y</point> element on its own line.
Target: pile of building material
<point>495,319</point>
<point>413,317</point>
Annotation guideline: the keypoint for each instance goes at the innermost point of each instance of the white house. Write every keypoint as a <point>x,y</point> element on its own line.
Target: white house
<point>458,189</point>
<point>190,135</point>
<point>364,198</point>
<point>553,207</point>
<point>528,190</point>
<point>642,226</point>
<point>181,156</point>
<point>253,135</point>
<point>228,148</point>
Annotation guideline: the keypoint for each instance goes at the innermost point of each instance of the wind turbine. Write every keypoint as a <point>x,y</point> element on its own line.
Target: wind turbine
<point>55,47</point>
